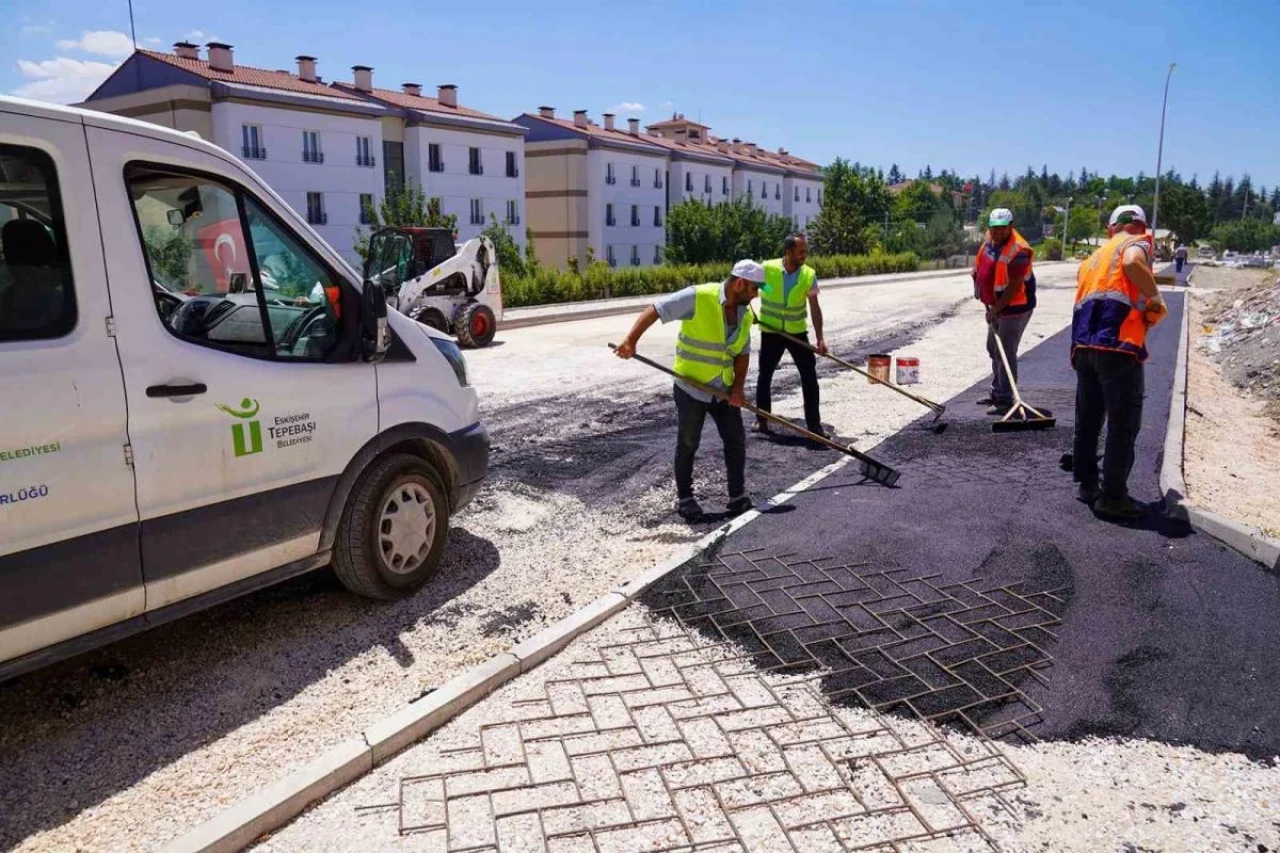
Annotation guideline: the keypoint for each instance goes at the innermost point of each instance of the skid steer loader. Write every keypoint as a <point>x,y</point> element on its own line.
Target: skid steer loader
<point>428,278</point>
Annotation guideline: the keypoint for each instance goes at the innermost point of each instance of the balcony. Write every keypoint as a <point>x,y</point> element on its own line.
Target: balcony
<point>513,173</point>
<point>320,218</point>
<point>251,153</point>
<point>513,220</point>
<point>610,221</point>
<point>657,185</point>
<point>312,156</point>
<point>610,179</point>
<point>368,161</point>
<point>436,166</point>
<point>635,182</point>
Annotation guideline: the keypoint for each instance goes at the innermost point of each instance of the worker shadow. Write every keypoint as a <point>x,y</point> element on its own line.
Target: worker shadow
<point>1155,521</point>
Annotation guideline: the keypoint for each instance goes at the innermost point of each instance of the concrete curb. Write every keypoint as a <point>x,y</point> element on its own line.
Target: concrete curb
<point>237,827</point>
<point>615,307</point>
<point>1237,535</point>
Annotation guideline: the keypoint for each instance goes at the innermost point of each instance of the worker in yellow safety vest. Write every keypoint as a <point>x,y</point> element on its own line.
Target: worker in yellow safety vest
<point>1117,301</point>
<point>713,349</point>
<point>789,297</point>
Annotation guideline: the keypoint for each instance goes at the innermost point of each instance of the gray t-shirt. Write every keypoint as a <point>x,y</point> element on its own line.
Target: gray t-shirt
<point>680,306</point>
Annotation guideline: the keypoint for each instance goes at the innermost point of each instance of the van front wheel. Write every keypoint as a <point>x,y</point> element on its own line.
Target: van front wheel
<point>393,530</point>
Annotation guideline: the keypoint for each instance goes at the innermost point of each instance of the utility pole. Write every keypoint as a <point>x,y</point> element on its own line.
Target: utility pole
<point>1155,205</point>
<point>1066,228</point>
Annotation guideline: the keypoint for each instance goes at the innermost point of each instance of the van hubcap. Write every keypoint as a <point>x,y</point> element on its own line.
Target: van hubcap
<point>406,527</point>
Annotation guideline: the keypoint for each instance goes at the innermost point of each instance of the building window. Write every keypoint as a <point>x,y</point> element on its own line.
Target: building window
<point>688,182</point>
<point>477,211</point>
<point>608,215</point>
<point>613,261</point>
<point>797,193</point>
<point>657,254</point>
<point>435,163</point>
<point>724,185</point>
<point>777,191</point>
<point>806,221</point>
<point>764,189</point>
<point>251,137</point>
<point>366,204</point>
<point>635,176</point>
<point>315,209</point>
<point>364,152</point>
<point>393,165</point>
<point>750,188</point>
<point>513,170</point>
<point>819,196</point>
<point>635,256</point>
<point>609,176</point>
<point>635,216</point>
<point>513,214</point>
<point>657,179</point>
<point>311,152</point>
<point>706,184</point>
<point>808,194</point>
<point>476,167</point>
<point>657,217</point>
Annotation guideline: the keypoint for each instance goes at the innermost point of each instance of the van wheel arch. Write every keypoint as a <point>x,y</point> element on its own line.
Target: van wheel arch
<point>430,443</point>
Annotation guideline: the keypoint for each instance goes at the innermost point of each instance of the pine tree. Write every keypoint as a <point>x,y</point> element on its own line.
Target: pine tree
<point>895,175</point>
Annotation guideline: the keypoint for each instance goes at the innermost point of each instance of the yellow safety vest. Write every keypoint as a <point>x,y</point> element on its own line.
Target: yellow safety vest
<point>789,313</point>
<point>702,352</point>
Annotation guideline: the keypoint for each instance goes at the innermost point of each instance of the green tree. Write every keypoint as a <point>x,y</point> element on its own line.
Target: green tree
<point>1245,235</point>
<point>169,253</point>
<point>918,203</point>
<point>855,200</point>
<point>1185,212</point>
<point>405,206</point>
<point>505,247</point>
<point>698,233</point>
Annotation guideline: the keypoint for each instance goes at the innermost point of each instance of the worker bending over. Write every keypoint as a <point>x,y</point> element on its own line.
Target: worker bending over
<point>1116,302</point>
<point>713,348</point>
<point>790,295</point>
<point>1004,281</point>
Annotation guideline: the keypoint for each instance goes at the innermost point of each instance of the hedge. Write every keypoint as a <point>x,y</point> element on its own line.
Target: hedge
<point>600,281</point>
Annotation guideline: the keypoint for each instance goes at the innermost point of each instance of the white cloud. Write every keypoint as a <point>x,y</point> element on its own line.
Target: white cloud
<point>112,43</point>
<point>627,107</point>
<point>198,37</point>
<point>151,40</point>
<point>62,80</point>
<point>36,29</point>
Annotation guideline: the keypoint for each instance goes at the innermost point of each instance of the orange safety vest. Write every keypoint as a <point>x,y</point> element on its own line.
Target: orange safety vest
<point>335,299</point>
<point>1109,310</point>
<point>1010,251</point>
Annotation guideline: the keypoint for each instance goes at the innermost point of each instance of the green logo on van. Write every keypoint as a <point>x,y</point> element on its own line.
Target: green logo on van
<point>246,438</point>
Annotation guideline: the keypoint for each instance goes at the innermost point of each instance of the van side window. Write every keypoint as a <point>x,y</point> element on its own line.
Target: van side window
<point>224,272</point>
<point>37,300</point>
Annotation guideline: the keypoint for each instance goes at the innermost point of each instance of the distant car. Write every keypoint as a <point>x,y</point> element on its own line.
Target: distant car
<point>1205,252</point>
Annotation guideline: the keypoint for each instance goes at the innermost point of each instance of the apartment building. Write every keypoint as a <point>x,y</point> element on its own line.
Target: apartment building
<point>588,183</point>
<point>328,149</point>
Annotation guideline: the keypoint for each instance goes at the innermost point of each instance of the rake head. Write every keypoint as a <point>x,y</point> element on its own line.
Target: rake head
<point>1023,418</point>
<point>878,472</point>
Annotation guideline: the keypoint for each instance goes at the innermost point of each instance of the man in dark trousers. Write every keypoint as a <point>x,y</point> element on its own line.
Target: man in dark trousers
<point>1116,303</point>
<point>714,350</point>
<point>790,295</point>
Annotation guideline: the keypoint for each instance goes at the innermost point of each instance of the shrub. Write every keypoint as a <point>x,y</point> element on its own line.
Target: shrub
<point>547,286</point>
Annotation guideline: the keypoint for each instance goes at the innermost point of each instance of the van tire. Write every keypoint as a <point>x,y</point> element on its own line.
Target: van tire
<point>363,558</point>
<point>477,326</point>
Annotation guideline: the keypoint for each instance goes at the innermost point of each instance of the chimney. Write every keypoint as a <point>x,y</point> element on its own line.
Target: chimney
<point>364,77</point>
<point>447,95</point>
<point>633,126</point>
<point>722,146</point>
<point>221,57</point>
<point>186,50</point>
<point>547,112</point>
<point>782,152</point>
<point>414,89</point>
<point>580,118</point>
<point>306,68</point>
<point>608,121</point>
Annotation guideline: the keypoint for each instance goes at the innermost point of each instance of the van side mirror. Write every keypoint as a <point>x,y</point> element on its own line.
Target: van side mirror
<point>375,335</point>
<point>175,218</point>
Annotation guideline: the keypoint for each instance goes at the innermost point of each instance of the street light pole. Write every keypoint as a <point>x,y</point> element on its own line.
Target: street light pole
<point>1066,228</point>
<point>1155,205</point>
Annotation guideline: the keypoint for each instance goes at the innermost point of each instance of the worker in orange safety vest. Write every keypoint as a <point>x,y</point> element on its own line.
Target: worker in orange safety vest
<point>1004,281</point>
<point>1117,301</point>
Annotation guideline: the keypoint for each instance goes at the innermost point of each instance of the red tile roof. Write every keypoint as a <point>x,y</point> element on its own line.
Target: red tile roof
<point>282,80</point>
<point>599,132</point>
<point>422,103</point>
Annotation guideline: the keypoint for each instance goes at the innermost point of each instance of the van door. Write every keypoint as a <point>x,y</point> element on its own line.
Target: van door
<point>241,416</point>
<point>69,561</point>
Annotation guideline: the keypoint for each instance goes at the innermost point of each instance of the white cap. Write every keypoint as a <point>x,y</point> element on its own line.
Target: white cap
<point>1136,213</point>
<point>750,270</point>
<point>1000,216</point>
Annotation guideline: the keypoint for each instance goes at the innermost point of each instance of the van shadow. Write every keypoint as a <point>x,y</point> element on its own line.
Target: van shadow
<point>79,732</point>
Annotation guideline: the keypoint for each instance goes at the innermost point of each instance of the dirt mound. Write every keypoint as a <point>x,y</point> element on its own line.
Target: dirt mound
<point>1242,334</point>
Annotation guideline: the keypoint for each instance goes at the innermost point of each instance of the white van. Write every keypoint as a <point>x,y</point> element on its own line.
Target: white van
<point>198,397</point>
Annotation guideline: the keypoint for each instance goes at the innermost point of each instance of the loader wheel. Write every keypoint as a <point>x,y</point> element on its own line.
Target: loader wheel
<point>393,529</point>
<point>477,326</point>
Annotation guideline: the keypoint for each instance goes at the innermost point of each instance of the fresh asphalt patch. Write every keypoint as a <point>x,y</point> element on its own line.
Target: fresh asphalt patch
<point>1088,628</point>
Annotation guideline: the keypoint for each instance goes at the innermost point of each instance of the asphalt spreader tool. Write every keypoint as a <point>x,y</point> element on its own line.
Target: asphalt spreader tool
<point>871,469</point>
<point>937,408</point>
<point>1020,416</point>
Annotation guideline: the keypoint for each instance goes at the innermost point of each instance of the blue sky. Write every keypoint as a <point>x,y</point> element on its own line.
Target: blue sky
<point>971,88</point>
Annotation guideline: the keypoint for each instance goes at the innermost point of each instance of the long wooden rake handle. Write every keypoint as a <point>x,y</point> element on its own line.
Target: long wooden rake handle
<point>872,469</point>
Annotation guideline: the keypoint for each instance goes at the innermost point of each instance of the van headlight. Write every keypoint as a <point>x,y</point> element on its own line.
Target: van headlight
<point>453,354</point>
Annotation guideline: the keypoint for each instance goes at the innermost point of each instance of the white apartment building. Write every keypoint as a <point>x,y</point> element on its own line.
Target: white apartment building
<point>471,161</point>
<point>328,149</point>
<point>588,183</point>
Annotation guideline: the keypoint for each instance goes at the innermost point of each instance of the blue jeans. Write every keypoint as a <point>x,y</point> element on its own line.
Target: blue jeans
<point>1010,330</point>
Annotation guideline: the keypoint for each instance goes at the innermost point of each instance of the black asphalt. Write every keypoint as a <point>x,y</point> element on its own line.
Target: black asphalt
<point>1165,634</point>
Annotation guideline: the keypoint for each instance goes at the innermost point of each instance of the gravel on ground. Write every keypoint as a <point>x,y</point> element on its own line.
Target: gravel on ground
<point>1232,452</point>
<point>130,746</point>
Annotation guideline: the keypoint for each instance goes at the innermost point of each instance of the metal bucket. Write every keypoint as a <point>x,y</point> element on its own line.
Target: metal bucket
<point>908,370</point>
<point>878,366</point>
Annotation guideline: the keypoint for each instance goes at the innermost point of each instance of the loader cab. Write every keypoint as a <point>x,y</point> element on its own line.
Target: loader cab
<point>400,254</point>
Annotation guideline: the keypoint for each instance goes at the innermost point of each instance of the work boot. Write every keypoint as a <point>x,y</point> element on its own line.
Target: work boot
<point>1089,492</point>
<point>1124,508</point>
<point>999,408</point>
<point>689,509</point>
<point>988,400</point>
<point>762,426</point>
<point>739,505</point>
